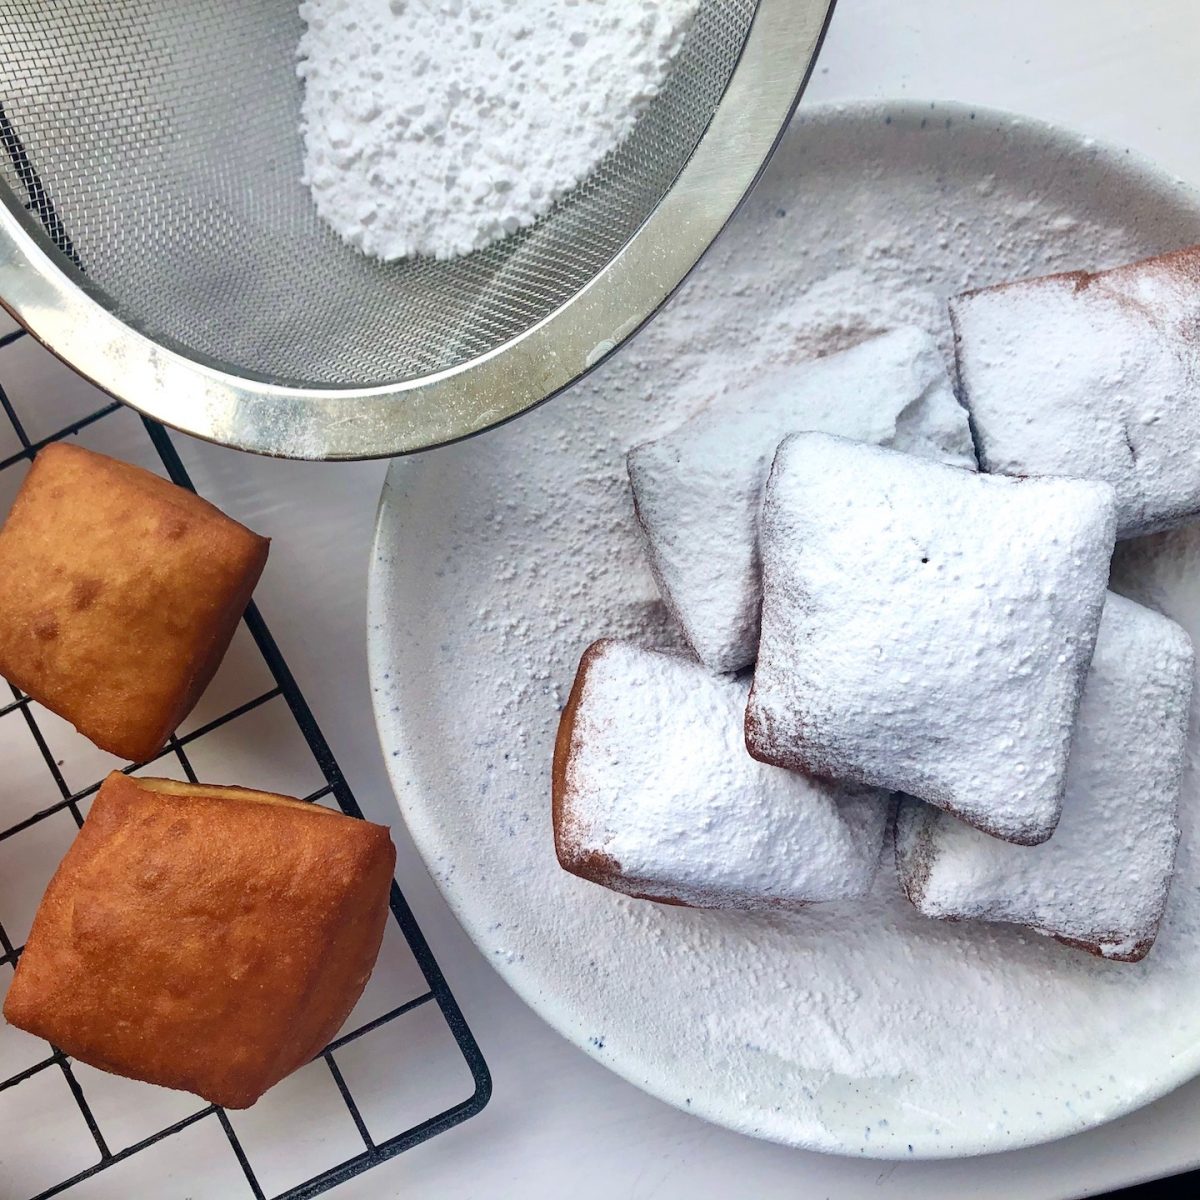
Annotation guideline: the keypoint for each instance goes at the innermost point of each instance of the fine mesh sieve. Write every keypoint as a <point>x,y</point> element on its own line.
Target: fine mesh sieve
<point>156,234</point>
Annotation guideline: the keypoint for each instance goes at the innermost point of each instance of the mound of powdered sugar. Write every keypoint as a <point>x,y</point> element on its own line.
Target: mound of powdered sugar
<point>434,127</point>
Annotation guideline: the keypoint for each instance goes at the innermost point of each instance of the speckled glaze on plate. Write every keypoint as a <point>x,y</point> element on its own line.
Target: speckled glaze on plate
<point>860,1028</point>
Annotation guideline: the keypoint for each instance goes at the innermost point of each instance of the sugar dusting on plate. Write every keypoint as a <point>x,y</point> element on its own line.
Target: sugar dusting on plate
<point>858,1027</point>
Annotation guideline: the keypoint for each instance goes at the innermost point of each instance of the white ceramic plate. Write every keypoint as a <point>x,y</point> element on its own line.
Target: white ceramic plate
<point>856,1028</point>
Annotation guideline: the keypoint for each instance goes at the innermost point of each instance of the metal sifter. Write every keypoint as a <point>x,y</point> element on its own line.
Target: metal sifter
<point>155,234</point>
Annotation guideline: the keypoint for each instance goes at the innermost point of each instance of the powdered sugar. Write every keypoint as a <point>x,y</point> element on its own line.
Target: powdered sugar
<point>438,126</point>
<point>698,490</point>
<point>1102,879</point>
<point>660,788</point>
<point>1095,376</point>
<point>944,655</point>
<point>859,1027</point>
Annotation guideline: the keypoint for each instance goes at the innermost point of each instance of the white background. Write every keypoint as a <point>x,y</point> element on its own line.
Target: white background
<point>1127,71</point>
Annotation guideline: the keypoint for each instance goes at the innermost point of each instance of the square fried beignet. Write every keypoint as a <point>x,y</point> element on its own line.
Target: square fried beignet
<point>1101,882</point>
<point>927,630</point>
<point>655,796</point>
<point>204,938</point>
<point>119,595</point>
<point>1094,375</point>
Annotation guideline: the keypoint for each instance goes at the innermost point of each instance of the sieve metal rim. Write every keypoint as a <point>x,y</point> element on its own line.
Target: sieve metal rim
<point>205,399</point>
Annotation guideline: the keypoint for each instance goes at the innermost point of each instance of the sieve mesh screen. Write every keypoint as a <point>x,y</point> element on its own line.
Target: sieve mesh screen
<point>166,138</point>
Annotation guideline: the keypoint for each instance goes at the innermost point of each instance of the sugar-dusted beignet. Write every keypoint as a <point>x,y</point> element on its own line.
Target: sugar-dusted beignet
<point>698,489</point>
<point>655,795</point>
<point>1101,881</point>
<point>1095,376</point>
<point>204,938</point>
<point>119,594</point>
<point>926,629</point>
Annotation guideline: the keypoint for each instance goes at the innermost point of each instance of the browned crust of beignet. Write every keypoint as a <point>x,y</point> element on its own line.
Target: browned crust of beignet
<point>1184,262</point>
<point>592,865</point>
<point>201,938</point>
<point>912,872</point>
<point>1140,949</point>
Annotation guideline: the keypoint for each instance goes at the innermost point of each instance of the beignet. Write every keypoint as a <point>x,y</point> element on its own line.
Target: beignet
<point>1095,376</point>
<point>119,595</point>
<point>1100,883</point>
<point>926,629</point>
<point>204,938</point>
<point>655,795</point>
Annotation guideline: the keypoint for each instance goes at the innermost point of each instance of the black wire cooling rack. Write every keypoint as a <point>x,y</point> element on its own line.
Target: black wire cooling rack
<point>73,798</point>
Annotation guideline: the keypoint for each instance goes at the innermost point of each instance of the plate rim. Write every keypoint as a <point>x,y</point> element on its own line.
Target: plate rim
<point>423,828</point>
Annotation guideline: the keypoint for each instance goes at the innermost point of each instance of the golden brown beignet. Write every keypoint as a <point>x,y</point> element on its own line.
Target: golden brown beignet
<point>204,938</point>
<point>119,594</point>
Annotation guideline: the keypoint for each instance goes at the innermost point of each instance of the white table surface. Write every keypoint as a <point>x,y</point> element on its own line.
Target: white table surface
<point>560,1124</point>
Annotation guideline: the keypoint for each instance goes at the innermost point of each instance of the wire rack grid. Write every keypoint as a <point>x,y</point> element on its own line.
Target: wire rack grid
<point>68,793</point>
